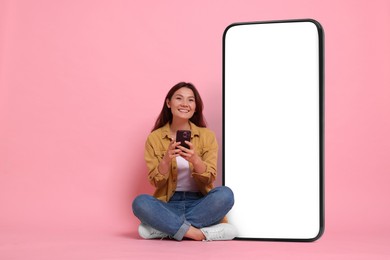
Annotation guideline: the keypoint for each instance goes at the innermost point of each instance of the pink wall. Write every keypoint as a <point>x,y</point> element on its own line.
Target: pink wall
<point>81,83</point>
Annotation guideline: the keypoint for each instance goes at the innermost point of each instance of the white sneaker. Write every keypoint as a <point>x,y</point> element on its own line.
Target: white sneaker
<point>147,232</point>
<point>222,231</point>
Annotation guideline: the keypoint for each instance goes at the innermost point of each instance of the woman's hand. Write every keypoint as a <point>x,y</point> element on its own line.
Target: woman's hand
<point>172,152</point>
<point>191,156</point>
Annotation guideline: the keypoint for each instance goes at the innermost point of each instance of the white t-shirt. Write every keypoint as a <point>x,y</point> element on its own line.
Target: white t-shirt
<point>184,180</point>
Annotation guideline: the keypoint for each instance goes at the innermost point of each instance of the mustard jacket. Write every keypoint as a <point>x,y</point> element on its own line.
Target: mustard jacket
<point>206,147</point>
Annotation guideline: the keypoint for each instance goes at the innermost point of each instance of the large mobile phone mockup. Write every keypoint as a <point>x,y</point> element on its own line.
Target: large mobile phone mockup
<point>273,128</point>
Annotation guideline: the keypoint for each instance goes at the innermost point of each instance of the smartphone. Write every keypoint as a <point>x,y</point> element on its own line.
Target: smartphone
<point>281,65</point>
<point>182,136</point>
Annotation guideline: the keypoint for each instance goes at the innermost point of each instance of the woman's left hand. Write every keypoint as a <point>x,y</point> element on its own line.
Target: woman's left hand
<point>188,153</point>
<point>191,156</point>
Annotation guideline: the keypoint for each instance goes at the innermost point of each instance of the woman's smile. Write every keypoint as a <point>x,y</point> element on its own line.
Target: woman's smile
<point>183,110</point>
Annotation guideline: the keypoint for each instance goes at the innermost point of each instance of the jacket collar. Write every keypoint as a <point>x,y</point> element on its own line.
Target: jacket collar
<point>166,130</point>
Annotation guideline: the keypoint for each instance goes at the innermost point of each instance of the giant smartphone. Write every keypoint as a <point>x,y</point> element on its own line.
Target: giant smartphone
<point>273,127</point>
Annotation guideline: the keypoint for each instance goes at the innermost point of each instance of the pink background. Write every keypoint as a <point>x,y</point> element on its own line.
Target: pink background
<point>82,81</point>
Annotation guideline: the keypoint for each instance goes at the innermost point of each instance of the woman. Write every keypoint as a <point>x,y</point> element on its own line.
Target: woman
<point>185,202</point>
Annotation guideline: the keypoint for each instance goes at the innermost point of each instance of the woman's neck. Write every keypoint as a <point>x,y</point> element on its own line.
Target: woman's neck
<point>180,125</point>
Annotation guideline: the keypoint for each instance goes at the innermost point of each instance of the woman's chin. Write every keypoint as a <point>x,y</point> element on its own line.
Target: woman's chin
<point>184,116</point>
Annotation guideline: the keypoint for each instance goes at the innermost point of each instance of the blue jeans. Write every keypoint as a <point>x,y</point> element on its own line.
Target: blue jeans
<point>183,210</point>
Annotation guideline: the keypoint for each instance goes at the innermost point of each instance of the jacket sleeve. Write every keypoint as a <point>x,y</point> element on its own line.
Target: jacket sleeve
<point>209,155</point>
<point>152,159</point>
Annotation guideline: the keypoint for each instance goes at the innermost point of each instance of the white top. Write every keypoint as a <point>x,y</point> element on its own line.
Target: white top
<point>185,182</point>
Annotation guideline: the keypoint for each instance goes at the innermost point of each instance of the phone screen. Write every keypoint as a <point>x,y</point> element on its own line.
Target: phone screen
<point>273,128</point>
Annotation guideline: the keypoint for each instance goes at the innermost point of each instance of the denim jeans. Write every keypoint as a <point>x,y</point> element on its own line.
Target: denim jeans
<point>183,210</point>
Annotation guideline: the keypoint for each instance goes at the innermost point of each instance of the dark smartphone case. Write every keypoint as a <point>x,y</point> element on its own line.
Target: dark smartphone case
<point>182,136</point>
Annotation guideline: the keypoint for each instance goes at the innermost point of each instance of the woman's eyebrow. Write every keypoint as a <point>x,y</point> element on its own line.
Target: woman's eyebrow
<point>180,95</point>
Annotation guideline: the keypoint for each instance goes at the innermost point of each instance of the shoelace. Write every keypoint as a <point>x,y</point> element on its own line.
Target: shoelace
<point>159,233</point>
<point>215,234</point>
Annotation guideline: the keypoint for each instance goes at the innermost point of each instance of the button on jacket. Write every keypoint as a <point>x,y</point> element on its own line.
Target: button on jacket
<point>156,146</point>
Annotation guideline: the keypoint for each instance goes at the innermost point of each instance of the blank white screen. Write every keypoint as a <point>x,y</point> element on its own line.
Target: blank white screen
<point>271,129</point>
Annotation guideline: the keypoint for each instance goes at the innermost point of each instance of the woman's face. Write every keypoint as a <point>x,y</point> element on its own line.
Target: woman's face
<point>182,103</point>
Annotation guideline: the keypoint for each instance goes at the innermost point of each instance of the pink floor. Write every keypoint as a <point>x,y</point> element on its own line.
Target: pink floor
<point>116,245</point>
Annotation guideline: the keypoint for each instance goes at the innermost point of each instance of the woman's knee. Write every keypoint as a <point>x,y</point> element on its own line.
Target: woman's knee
<point>140,203</point>
<point>225,194</point>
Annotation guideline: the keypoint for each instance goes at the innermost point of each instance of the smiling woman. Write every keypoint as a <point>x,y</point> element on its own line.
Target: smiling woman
<point>166,115</point>
<point>185,202</point>
<point>182,104</point>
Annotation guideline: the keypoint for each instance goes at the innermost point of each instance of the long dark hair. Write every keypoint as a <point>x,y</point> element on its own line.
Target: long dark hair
<point>166,114</point>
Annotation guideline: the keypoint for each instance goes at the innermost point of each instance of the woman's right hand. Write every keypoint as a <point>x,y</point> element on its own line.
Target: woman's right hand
<point>171,153</point>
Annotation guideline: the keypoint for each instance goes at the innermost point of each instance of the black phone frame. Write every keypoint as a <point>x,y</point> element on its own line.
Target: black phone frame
<point>320,31</point>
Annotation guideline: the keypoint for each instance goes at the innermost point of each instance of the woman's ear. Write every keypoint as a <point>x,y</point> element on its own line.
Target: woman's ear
<point>167,102</point>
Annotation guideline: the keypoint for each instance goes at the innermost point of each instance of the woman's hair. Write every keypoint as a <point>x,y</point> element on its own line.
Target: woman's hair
<point>166,114</point>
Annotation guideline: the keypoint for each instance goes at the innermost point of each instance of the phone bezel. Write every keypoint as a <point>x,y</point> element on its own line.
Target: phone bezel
<point>321,126</point>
